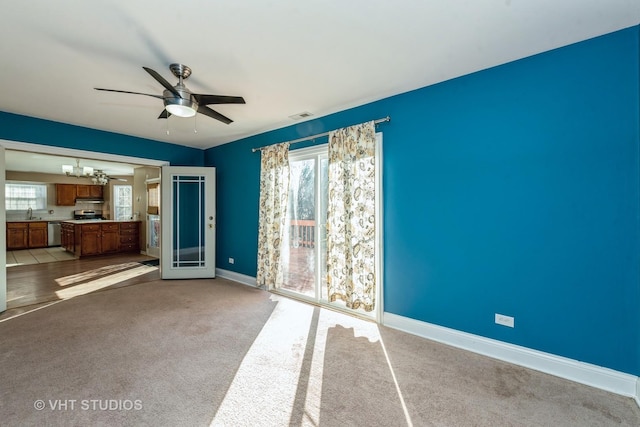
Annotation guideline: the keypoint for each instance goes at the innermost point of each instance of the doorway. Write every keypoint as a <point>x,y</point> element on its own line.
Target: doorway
<point>153,217</point>
<point>55,151</point>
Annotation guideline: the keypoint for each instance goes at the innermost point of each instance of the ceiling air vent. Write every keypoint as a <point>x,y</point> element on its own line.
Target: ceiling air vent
<point>299,116</point>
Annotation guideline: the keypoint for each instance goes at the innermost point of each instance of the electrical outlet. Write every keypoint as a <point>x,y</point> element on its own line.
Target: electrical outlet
<point>501,319</point>
<point>232,261</point>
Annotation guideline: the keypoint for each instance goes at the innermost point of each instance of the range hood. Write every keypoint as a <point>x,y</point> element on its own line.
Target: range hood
<point>92,200</point>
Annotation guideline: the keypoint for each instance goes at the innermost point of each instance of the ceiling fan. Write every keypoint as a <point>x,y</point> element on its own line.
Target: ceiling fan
<point>101,178</point>
<point>179,101</point>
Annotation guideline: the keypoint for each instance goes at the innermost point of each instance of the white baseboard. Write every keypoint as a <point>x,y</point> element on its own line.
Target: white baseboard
<point>584,373</point>
<point>236,277</point>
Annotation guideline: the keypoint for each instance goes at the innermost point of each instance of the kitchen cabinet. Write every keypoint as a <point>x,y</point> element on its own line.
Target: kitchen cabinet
<point>100,237</point>
<point>26,235</point>
<point>17,235</point>
<point>38,235</point>
<point>65,194</point>
<point>90,240</point>
<point>89,191</point>
<point>110,238</point>
<point>129,236</point>
<point>67,237</point>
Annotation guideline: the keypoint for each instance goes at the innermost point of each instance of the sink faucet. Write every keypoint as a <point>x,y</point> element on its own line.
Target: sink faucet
<point>29,213</point>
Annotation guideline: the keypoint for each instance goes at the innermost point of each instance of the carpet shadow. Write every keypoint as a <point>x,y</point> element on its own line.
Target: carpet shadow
<point>357,385</point>
<point>299,405</point>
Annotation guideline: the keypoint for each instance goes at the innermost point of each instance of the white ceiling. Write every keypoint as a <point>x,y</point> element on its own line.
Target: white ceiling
<point>284,57</point>
<point>25,161</point>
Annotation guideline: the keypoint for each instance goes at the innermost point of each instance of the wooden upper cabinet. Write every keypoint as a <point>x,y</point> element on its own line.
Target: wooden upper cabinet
<point>65,194</point>
<point>86,191</point>
<point>95,191</point>
<point>83,191</point>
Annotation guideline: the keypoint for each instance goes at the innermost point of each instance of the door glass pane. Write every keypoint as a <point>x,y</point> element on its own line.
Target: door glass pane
<point>322,250</point>
<point>188,213</point>
<point>298,254</point>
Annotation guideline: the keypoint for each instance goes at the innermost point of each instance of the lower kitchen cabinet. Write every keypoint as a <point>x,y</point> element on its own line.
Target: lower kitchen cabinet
<point>100,238</point>
<point>67,236</point>
<point>26,235</point>
<point>90,239</point>
<point>129,236</point>
<point>38,237</point>
<point>17,235</point>
<point>110,238</point>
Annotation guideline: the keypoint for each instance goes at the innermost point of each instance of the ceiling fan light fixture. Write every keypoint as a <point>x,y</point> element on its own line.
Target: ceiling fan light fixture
<point>181,107</point>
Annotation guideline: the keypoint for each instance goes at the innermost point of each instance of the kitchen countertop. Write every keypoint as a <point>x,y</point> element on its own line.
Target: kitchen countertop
<point>91,221</point>
<point>34,220</point>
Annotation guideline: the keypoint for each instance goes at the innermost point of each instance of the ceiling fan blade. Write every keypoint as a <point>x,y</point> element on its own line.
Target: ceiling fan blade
<point>162,81</point>
<point>213,114</point>
<point>164,115</point>
<point>217,99</point>
<point>126,91</point>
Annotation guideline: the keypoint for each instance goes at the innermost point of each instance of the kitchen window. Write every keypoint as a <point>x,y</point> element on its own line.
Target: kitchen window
<point>123,202</point>
<point>22,196</point>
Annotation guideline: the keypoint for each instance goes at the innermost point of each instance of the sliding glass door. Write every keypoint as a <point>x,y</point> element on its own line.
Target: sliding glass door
<point>304,252</point>
<point>304,243</point>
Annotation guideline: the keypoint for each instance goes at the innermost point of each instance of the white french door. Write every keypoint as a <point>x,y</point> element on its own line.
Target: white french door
<point>188,222</point>
<point>3,238</point>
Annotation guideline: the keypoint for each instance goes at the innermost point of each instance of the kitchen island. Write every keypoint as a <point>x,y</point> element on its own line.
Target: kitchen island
<point>100,237</point>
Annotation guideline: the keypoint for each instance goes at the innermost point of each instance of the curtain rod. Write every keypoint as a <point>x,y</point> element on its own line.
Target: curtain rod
<point>384,119</point>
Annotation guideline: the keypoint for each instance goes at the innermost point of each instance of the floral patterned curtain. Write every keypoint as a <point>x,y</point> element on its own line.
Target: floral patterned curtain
<point>274,195</point>
<point>351,217</point>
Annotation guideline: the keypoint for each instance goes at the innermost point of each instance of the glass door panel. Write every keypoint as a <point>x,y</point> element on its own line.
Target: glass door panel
<point>299,252</point>
<point>322,227</point>
<point>188,245</point>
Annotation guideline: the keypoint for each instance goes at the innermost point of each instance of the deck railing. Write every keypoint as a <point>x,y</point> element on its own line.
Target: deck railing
<point>302,233</point>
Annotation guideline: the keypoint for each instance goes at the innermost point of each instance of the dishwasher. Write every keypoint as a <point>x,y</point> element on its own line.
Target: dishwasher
<point>53,233</point>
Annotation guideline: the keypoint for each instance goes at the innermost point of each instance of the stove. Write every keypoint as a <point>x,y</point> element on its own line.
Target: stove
<point>87,214</point>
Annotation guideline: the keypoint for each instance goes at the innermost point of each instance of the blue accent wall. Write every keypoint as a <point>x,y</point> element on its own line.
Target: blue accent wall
<point>514,190</point>
<point>19,128</point>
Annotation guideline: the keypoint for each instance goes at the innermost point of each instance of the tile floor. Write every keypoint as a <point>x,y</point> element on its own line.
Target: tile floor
<point>37,256</point>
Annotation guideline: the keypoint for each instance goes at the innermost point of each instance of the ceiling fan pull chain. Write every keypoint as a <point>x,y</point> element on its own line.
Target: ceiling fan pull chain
<point>195,124</point>
<point>167,125</point>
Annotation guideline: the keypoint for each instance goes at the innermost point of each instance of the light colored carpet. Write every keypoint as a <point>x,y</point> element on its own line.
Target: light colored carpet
<point>212,352</point>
